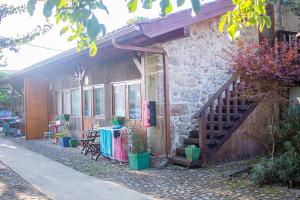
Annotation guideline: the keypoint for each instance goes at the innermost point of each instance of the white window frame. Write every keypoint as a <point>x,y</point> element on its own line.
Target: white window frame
<point>88,88</point>
<point>94,102</point>
<point>63,102</point>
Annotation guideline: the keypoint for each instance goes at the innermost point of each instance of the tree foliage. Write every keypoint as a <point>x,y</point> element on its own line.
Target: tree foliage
<point>85,27</point>
<point>14,43</point>
<point>5,98</point>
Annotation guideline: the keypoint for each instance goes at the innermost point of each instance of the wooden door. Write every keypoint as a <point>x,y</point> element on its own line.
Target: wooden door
<point>36,106</point>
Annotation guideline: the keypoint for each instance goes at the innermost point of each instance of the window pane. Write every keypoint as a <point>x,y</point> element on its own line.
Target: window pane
<point>58,103</point>
<point>75,97</point>
<point>119,100</point>
<point>87,111</point>
<point>99,101</point>
<point>134,101</point>
<point>67,102</point>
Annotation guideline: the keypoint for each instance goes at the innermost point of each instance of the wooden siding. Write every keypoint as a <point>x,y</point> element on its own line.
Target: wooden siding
<point>36,106</point>
<point>248,141</point>
<point>117,69</point>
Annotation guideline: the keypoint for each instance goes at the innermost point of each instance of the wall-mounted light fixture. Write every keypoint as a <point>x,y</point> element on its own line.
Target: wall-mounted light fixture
<point>79,74</point>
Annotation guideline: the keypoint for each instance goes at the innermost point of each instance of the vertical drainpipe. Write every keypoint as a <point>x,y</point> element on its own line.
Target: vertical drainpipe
<point>166,84</point>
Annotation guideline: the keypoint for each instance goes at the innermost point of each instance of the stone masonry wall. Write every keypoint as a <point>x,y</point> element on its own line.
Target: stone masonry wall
<point>197,70</point>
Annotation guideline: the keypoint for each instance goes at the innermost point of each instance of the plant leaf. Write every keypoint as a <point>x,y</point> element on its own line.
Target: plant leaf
<point>222,23</point>
<point>166,7</point>
<point>132,5</point>
<point>93,28</point>
<point>147,4</point>
<point>31,6</point>
<point>101,6</point>
<point>64,30</point>
<point>196,5</point>
<point>81,14</point>
<point>48,7</point>
<point>180,2</point>
<point>93,49</point>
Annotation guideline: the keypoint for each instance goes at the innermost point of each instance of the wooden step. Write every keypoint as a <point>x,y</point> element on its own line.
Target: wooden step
<point>184,162</point>
<point>224,116</point>
<point>239,108</point>
<point>216,124</point>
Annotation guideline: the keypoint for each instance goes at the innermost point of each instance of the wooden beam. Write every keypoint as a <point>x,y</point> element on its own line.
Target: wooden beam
<point>137,63</point>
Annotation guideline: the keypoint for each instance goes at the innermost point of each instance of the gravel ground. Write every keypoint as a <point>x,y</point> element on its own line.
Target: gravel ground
<point>171,183</point>
<point>13,187</point>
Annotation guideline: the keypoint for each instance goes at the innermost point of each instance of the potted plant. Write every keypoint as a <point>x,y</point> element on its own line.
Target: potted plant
<point>118,121</point>
<point>192,152</point>
<point>138,157</point>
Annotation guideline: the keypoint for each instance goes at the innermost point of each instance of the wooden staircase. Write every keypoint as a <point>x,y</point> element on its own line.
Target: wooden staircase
<point>218,119</point>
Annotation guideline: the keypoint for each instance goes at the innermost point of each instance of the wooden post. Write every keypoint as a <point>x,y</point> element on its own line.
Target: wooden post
<point>81,107</point>
<point>220,118</point>
<point>211,122</point>
<point>235,109</point>
<point>227,97</point>
<point>202,137</point>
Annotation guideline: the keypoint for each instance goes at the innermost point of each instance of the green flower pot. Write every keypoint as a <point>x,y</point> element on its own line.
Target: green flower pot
<point>138,161</point>
<point>72,143</point>
<point>192,152</point>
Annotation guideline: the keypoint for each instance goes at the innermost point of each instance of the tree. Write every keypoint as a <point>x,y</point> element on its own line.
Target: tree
<point>85,27</point>
<point>137,19</point>
<point>5,98</point>
<point>14,43</point>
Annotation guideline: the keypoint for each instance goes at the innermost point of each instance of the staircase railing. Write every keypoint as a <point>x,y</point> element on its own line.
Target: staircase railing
<point>227,91</point>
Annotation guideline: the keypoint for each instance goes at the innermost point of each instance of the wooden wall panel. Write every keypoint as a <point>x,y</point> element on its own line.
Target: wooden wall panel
<point>36,106</point>
<point>249,140</point>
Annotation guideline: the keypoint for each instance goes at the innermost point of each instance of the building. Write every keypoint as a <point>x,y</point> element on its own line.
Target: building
<point>174,61</point>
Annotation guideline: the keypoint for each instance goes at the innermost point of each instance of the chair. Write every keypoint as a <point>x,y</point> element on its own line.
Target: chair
<point>49,133</point>
<point>64,132</point>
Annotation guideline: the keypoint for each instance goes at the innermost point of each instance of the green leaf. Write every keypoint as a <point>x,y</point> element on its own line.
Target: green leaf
<point>71,38</point>
<point>48,7</point>
<point>147,4</point>
<point>93,49</point>
<point>56,2</point>
<point>222,23</point>
<point>101,6</point>
<point>268,21</point>
<point>180,2</point>
<point>166,7</point>
<point>232,31</point>
<point>103,29</point>
<point>31,6</point>
<point>57,18</point>
<point>132,5</point>
<point>81,14</point>
<point>93,28</point>
<point>64,30</point>
<point>196,5</point>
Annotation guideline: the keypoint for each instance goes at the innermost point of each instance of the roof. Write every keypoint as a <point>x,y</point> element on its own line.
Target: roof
<point>149,29</point>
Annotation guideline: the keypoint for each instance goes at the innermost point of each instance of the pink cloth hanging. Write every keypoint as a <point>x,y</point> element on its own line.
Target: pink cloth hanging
<point>120,152</point>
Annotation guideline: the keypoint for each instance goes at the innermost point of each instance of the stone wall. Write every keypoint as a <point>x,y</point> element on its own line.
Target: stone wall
<point>197,70</point>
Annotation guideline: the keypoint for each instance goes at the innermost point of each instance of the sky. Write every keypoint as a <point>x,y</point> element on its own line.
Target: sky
<point>52,42</point>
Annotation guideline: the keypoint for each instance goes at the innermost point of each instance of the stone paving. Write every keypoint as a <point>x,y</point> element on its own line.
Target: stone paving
<point>171,183</point>
<point>13,187</point>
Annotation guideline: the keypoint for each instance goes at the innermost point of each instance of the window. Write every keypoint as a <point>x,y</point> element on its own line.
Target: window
<point>75,102</point>
<point>99,100</point>
<point>58,103</point>
<point>119,100</point>
<point>134,101</point>
<point>87,110</point>
<point>67,102</point>
<point>127,100</point>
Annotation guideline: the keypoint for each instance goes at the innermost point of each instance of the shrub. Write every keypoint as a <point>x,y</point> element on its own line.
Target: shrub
<point>284,168</point>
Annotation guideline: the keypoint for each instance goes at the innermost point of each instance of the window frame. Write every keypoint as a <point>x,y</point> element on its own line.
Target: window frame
<point>127,84</point>
<point>56,102</point>
<point>91,89</point>
<point>63,101</point>
<point>71,100</point>
<point>94,102</point>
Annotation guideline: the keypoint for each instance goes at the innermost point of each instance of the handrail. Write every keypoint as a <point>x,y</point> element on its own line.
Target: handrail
<point>215,97</point>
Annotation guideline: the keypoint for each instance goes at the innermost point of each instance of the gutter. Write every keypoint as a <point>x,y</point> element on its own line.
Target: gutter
<point>166,84</point>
